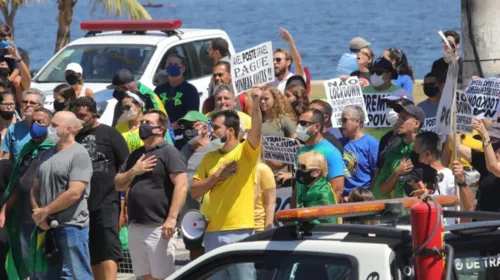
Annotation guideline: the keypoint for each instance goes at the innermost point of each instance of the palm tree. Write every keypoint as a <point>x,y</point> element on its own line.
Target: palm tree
<point>9,10</point>
<point>65,15</point>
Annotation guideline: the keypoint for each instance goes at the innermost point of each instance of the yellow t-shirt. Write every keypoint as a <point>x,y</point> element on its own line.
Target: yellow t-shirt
<point>243,117</point>
<point>132,138</point>
<point>231,205</point>
<point>264,180</point>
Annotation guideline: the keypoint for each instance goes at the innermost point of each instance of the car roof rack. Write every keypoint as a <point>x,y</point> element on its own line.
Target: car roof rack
<point>138,27</point>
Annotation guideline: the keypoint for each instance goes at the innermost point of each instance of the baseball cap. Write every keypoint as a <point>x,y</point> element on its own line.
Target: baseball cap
<point>194,116</point>
<point>382,64</point>
<point>493,131</point>
<point>398,95</point>
<point>75,67</point>
<point>358,43</point>
<point>122,77</point>
<point>413,110</point>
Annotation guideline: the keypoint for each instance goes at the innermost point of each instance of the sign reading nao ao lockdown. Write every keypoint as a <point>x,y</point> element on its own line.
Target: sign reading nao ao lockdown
<point>252,67</point>
<point>484,98</point>
<point>341,94</point>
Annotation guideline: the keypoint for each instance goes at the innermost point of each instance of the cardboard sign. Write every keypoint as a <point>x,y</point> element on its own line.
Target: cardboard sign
<point>429,124</point>
<point>443,121</point>
<point>341,94</point>
<point>375,107</point>
<point>252,67</point>
<point>484,98</point>
<point>280,149</point>
<point>464,113</point>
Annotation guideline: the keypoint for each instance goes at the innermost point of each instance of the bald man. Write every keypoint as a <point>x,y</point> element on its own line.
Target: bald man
<point>59,194</point>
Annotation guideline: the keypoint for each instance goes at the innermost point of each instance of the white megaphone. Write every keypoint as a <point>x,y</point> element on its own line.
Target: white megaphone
<point>193,225</point>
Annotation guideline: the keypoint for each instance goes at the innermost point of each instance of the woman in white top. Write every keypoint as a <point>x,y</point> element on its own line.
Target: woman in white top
<point>74,77</point>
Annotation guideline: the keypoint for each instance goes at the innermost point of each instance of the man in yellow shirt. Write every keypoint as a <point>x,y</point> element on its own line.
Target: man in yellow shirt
<point>227,176</point>
<point>225,100</point>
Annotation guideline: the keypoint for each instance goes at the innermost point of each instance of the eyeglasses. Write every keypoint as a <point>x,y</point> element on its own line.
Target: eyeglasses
<point>26,102</point>
<point>278,59</point>
<point>344,120</point>
<point>378,72</point>
<point>306,123</point>
<point>365,53</point>
<point>8,105</point>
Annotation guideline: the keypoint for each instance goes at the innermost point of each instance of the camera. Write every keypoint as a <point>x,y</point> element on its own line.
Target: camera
<point>425,174</point>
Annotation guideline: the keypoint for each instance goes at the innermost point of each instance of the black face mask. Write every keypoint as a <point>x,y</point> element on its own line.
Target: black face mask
<point>59,106</point>
<point>304,177</point>
<point>7,115</point>
<point>72,79</point>
<point>431,90</point>
<point>4,72</point>
<point>146,131</point>
<point>189,134</point>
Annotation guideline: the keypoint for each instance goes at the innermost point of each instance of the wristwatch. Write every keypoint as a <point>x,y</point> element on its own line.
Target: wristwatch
<point>461,184</point>
<point>486,143</point>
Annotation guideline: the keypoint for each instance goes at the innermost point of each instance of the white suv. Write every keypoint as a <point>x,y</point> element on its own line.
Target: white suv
<point>136,46</point>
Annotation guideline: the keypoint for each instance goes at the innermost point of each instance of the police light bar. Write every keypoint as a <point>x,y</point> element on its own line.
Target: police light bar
<point>130,25</point>
<point>350,209</point>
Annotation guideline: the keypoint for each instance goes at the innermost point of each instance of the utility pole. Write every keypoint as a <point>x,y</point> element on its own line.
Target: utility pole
<point>480,18</point>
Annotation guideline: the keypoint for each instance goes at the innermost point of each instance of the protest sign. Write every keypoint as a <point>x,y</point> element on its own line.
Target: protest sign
<point>464,113</point>
<point>341,94</point>
<point>280,149</point>
<point>484,97</point>
<point>252,67</point>
<point>375,107</point>
<point>429,124</point>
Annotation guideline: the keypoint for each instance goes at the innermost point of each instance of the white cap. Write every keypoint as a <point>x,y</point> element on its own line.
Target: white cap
<point>75,67</point>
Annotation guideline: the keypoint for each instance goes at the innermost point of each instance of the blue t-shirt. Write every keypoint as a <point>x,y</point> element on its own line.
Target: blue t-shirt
<point>430,110</point>
<point>347,64</point>
<point>405,82</point>
<point>16,137</point>
<point>332,156</point>
<point>360,158</point>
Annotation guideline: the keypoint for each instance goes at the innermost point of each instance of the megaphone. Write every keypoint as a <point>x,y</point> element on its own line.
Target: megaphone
<point>193,225</point>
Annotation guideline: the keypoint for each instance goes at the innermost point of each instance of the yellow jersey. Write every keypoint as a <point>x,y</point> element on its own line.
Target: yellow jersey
<point>264,180</point>
<point>132,138</point>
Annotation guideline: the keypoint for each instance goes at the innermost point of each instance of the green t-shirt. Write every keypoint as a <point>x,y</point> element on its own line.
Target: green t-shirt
<point>319,194</point>
<point>392,161</point>
<point>376,109</point>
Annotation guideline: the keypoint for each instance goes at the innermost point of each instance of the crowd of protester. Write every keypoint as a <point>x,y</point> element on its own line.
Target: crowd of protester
<point>79,184</point>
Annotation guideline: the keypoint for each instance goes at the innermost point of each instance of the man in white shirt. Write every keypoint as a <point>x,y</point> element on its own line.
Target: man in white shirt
<point>429,148</point>
<point>283,60</point>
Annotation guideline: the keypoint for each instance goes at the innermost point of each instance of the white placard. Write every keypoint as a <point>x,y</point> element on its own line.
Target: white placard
<point>376,106</point>
<point>280,149</point>
<point>484,98</point>
<point>252,67</point>
<point>464,113</point>
<point>341,94</point>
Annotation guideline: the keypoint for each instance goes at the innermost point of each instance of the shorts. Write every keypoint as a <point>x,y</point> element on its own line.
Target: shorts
<point>150,253</point>
<point>104,235</point>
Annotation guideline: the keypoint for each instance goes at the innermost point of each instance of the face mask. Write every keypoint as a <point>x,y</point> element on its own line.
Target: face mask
<point>130,114</point>
<point>431,90</point>
<point>52,135</point>
<point>59,106</point>
<point>86,125</point>
<point>216,144</point>
<point>7,115</point>
<point>301,133</point>
<point>37,131</point>
<point>376,80</point>
<point>4,72</point>
<point>391,116</point>
<point>72,79</point>
<point>146,131</point>
<point>191,135</point>
<point>304,177</point>
<point>173,70</point>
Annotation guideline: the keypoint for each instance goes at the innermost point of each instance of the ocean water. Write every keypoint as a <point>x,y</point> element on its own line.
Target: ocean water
<point>322,29</point>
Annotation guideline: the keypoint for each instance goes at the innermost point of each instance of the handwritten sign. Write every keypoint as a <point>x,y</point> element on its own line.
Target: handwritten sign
<point>484,98</point>
<point>341,94</point>
<point>464,113</point>
<point>280,149</point>
<point>375,107</point>
<point>429,124</point>
<point>253,66</point>
<point>443,121</point>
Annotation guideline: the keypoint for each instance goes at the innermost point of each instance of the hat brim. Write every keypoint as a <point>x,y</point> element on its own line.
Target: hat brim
<point>394,73</point>
<point>392,98</point>
<point>111,86</point>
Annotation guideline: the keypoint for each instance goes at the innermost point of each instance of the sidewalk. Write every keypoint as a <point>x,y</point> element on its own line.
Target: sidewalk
<point>181,258</point>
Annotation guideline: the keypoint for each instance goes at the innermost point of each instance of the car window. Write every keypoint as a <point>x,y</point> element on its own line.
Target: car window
<point>277,266</point>
<point>99,62</point>
<point>181,51</point>
<point>205,61</point>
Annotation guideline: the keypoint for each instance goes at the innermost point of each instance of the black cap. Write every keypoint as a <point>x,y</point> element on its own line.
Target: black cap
<point>121,77</point>
<point>493,132</point>
<point>413,110</point>
<point>382,64</point>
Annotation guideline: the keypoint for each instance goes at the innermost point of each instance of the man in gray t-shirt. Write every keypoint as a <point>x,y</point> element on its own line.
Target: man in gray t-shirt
<point>59,193</point>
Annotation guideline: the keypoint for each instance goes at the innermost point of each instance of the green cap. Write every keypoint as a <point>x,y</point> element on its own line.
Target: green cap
<point>194,116</point>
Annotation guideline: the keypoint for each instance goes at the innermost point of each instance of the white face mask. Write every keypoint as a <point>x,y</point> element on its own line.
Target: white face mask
<point>391,116</point>
<point>52,135</point>
<point>130,114</point>
<point>376,80</point>
<point>301,133</point>
<point>216,144</point>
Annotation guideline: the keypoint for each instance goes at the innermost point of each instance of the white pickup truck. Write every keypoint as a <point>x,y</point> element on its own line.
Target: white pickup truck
<point>139,46</point>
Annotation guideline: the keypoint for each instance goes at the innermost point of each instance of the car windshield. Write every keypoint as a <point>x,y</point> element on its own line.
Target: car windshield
<point>99,62</point>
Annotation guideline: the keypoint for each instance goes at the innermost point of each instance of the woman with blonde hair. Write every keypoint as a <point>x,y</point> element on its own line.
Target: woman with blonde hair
<point>277,115</point>
<point>312,186</point>
<point>297,98</point>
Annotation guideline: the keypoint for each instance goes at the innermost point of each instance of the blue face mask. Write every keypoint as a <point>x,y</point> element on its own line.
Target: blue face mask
<point>37,131</point>
<point>173,70</point>
<point>4,44</point>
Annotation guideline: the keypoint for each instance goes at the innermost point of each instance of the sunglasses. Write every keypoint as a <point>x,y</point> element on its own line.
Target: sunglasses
<point>279,59</point>
<point>306,123</point>
<point>378,72</point>
<point>26,102</point>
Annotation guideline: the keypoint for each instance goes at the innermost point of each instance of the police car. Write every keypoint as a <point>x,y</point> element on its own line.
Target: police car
<point>302,250</point>
<point>141,46</point>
